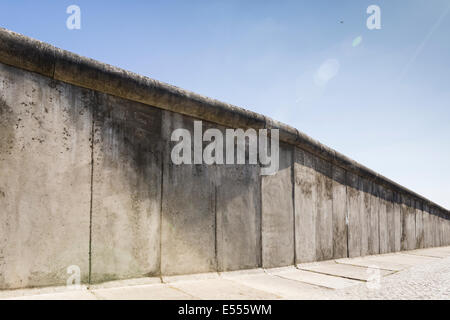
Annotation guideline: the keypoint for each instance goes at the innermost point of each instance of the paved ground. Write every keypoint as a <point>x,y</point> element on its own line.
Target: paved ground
<point>417,274</point>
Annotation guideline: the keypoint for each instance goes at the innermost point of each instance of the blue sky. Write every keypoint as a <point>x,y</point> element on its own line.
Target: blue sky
<point>384,103</point>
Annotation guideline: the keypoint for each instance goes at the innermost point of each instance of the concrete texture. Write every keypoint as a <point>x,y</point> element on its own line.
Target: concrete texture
<point>324,205</point>
<point>390,221</point>
<point>278,213</point>
<point>408,224</point>
<point>383,218</point>
<point>238,217</point>
<point>354,203</point>
<point>365,187</point>
<point>419,230</point>
<point>45,179</point>
<point>397,223</point>
<point>126,199</point>
<point>339,213</point>
<point>374,219</point>
<point>436,236</point>
<point>427,233</point>
<point>305,196</point>
<point>188,226</point>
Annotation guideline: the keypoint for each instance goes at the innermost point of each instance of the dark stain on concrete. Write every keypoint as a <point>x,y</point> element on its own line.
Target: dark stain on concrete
<point>8,125</point>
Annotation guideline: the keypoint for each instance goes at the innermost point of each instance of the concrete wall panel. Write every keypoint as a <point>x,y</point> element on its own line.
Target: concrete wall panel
<point>390,220</point>
<point>441,228</point>
<point>305,207</point>
<point>45,174</point>
<point>278,246</point>
<point>324,218</point>
<point>419,225</point>
<point>365,215</point>
<point>374,224</point>
<point>426,220</point>
<point>238,209</point>
<point>383,216</point>
<point>434,223</point>
<point>126,190</point>
<point>188,235</point>
<point>339,213</point>
<point>408,224</point>
<point>354,203</point>
<point>397,222</point>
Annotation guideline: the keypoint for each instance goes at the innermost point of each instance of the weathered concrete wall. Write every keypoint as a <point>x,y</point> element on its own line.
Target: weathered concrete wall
<point>126,178</point>
<point>45,179</point>
<point>188,228</point>
<point>277,221</point>
<point>86,180</point>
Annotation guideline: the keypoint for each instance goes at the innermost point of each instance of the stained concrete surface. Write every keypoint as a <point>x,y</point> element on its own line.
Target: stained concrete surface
<point>188,226</point>
<point>45,179</point>
<point>277,220</point>
<point>126,195</point>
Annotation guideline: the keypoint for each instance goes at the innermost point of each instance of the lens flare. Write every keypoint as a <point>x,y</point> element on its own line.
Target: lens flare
<point>327,71</point>
<point>357,41</point>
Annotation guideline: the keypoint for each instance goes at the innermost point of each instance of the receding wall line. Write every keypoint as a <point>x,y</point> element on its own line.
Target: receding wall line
<point>93,113</point>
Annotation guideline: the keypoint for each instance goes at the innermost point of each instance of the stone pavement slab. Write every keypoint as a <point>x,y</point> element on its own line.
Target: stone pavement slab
<point>144,292</point>
<point>367,262</point>
<point>67,295</point>
<point>314,278</point>
<point>218,289</point>
<point>432,252</point>
<point>341,270</point>
<point>285,288</point>
<point>403,258</point>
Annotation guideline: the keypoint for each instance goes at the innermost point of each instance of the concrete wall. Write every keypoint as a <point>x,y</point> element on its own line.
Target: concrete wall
<point>86,180</point>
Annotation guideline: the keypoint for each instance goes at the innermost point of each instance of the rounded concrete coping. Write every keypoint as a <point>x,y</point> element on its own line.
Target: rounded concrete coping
<point>42,58</point>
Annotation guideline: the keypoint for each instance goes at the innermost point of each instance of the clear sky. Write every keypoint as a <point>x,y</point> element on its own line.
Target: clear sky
<point>382,99</point>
